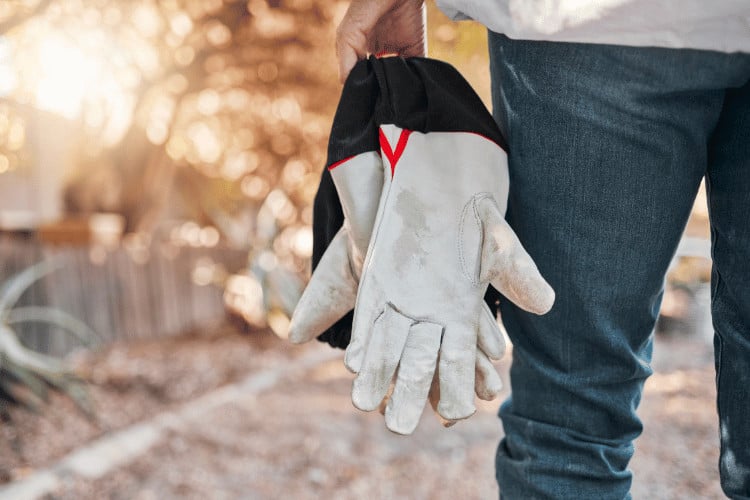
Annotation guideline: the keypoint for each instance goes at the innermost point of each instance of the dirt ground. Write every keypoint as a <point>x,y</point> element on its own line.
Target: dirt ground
<point>303,439</point>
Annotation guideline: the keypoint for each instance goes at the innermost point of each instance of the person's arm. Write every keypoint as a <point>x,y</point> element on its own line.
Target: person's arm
<point>380,27</point>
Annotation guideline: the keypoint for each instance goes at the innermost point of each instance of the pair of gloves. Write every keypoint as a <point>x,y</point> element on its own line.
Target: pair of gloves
<point>420,172</point>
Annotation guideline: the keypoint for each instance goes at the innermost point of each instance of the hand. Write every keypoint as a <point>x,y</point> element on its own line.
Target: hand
<point>378,27</point>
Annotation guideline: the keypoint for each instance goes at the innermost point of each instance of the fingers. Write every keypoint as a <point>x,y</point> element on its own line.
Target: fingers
<point>376,26</point>
<point>488,382</point>
<point>383,404</point>
<point>414,378</point>
<point>331,293</point>
<point>362,331</point>
<point>352,33</point>
<point>457,372</point>
<point>491,345</point>
<point>508,267</point>
<point>490,338</point>
<point>434,397</point>
<point>389,336</point>
<point>366,314</point>
<point>348,53</point>
<point>401,31</point>
<point>410,350</point>
<point>488,385</point>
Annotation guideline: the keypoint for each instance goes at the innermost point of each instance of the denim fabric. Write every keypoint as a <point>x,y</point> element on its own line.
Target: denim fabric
<point>608,146</point>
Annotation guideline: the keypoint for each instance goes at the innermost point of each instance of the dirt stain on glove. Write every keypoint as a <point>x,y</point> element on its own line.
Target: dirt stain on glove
<point>411,212</point>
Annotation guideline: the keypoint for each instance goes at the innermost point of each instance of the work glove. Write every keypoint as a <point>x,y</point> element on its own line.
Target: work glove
<point>358,174</point>
<point>439,239</point>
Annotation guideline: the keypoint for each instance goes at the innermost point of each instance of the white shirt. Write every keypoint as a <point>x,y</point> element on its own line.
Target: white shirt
<point>722,25</point>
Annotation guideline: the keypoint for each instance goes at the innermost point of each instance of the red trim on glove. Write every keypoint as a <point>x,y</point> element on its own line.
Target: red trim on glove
<point>393,156</point>
<point>336,164</point>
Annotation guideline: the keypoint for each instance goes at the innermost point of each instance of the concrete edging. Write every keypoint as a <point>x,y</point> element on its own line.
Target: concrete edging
<point>116,449</point>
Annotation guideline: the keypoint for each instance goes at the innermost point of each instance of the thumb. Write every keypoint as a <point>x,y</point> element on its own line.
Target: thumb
<point>510,269</point>
<point>331,293</point>
<point>353,31</point>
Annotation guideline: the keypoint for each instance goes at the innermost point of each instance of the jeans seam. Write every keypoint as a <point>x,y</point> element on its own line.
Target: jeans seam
<point>718,354</point>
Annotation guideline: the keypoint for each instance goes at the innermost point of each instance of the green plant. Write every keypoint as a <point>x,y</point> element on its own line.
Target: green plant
<point>26,376</point>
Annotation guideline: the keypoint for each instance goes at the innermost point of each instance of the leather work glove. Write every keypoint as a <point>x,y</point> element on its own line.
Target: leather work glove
<point>356,169</point>
<point>439,239</point>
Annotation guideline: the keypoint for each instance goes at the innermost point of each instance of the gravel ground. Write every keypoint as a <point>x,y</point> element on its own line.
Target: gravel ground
<point>303,439</point>
<point>129,383</point>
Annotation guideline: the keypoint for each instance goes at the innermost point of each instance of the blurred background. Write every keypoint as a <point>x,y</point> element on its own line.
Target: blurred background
<point>158,160</point>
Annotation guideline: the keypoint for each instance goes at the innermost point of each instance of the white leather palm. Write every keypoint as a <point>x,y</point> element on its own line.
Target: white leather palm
<point>332,289</point>
<point>439,238</point>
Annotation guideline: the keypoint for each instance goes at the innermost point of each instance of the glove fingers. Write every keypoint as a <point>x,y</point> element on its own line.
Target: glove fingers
<point>457,360</point>
<point>359,341</point>
<point>488,383</point>
<point>365,317</point>
<point>389,334</point>
<point>384,403</point>
<point>434,397</point>
<point>330,294</point>
<point>490,338</point>
<point>415,374</point>
<point>509,268</point>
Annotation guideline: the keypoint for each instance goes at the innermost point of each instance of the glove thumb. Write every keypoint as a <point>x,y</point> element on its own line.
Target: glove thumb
<point>331,293</point>
<point>507,265</point>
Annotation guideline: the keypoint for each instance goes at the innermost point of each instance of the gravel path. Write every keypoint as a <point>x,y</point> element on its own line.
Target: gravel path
<point>302,439</point>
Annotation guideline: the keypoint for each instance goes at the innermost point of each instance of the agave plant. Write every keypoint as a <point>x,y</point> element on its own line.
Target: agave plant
<point>26,376</point>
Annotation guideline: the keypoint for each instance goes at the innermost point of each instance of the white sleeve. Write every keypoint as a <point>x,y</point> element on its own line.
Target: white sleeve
<point>452,9</point>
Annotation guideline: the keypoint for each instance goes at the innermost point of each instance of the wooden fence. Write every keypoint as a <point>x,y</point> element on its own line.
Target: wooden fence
<point>122,293</point>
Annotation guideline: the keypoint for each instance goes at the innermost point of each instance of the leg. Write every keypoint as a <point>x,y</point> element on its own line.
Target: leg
<point>728,183</point>
<point>607,148</point>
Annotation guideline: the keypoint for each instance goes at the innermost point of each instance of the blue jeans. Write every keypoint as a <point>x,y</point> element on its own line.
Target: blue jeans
<point>608,146</point>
